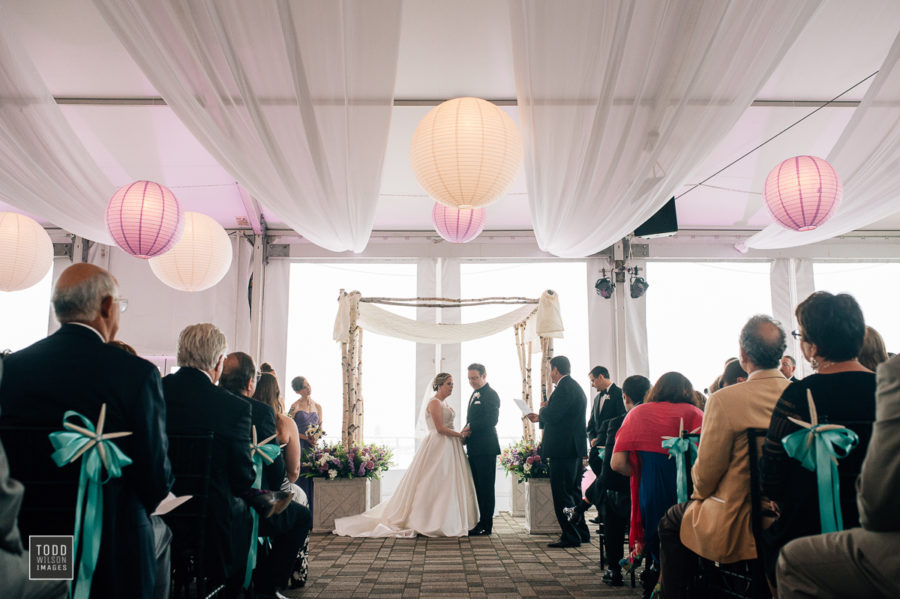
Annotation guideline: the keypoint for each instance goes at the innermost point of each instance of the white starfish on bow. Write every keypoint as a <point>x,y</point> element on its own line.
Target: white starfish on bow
<point>681,430</point>
<point>257,447</point>
<point>814,421</point>
<point>95,436</point>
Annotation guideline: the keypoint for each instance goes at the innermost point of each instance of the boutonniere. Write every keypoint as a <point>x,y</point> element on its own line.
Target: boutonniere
<point>477,395</point>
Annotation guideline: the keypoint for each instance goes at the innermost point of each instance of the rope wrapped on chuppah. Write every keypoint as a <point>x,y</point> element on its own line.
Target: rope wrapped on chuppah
<point>680,447</point>
<point>816,447</point>
<point>97,452</point>
<point>264,451</point>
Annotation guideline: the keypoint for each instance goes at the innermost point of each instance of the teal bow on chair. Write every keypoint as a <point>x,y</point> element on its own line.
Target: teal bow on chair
<point>260,452</point>
<point>97,452</point>
<point>816,447</point>
<point>684,444</point>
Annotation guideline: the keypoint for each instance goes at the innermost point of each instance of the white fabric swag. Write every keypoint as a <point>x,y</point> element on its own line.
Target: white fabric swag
<point>614,120</point>
<point>866,157</point>
<point>293,98</point>
<point>44,169</point>
<point>546,317</point>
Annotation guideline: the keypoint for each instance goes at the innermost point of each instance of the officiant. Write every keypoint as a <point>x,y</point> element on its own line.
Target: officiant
<point>482,446</point>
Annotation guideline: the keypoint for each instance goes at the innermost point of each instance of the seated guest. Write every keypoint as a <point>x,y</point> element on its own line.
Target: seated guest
<point>873,352</point>
<point>288,529</point>
<point>617,501</point>
<point>268,393</point>
<point>639,454</point>
<point>14,558</point>
<point>715,522</point>
<point>717,384</point>
<point>859,562</point>
<point>831,335</point>
<point>76,369</point>
<point>699,400</point>
<point>239,377</point>
<point>733,374</point>
<point>123,346</point>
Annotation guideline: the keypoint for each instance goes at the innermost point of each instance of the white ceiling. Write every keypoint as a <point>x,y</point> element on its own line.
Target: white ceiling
<point>450,49</point>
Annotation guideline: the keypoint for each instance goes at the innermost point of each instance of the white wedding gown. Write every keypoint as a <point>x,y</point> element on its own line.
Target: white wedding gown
<point>435,498</point>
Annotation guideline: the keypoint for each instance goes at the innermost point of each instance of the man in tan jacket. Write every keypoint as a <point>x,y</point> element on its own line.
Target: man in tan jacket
<point>715,522</point>
<point>860,562</point>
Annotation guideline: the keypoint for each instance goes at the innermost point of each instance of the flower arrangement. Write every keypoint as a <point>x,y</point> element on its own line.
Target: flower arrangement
<point>524,461</point>
<point>313,433</point>
<point>336,461</point>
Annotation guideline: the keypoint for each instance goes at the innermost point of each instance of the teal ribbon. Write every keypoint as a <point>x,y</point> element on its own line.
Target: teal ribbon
<point>267,452</point>
<point>816,448</point>
<point>679,447</point>
<point>601,453</point>
<point>96,453</point>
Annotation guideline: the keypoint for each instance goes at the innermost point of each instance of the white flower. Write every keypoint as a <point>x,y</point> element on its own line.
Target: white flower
<point>527,468</point>
<point>323,460</point>
<point>477,394</point>
<point>332,474</point>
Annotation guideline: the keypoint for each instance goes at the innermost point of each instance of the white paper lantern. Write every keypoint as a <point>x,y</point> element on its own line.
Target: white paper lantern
<point>26,252</point>
<point>199,260</point>
<point>466,152</point>
<point>144,218</point>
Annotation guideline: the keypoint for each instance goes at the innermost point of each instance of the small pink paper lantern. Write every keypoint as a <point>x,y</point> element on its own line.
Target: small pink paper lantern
<point>802,192</point>
<point>457,225</point>
<point>145,219</point>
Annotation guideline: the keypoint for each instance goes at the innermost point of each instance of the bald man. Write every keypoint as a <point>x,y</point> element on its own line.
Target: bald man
<point>75,369</point>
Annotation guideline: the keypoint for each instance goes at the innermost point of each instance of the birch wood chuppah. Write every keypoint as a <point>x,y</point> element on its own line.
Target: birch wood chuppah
<point>535,324</point>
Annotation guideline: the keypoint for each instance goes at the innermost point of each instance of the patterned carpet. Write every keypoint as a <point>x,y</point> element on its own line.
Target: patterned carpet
<point>507,565</point>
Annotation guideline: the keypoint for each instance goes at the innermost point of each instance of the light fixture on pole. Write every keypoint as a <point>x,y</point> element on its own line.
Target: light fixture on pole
<point>604,286</point>
<point>639,284</point>
<point>802,192</point>
<point>466,152</point>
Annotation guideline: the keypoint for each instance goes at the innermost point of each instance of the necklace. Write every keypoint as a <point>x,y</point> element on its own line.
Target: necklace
<point>825,365</point>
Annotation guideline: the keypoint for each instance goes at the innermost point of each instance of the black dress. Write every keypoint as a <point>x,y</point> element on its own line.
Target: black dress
<point>846,398</point>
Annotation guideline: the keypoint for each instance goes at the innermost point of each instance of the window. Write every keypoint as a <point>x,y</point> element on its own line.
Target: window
<point>875,285</point>
<point>388,364</point>
<point>498,352</point>
<point>25,314</point>
<point>695,312</point>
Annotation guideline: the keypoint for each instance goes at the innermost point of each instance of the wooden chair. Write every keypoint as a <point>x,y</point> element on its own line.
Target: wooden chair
<point>191,458</point>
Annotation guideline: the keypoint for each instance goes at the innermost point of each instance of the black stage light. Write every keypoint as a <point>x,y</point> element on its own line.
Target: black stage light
<point>638,284</point>
<point>604,286</point>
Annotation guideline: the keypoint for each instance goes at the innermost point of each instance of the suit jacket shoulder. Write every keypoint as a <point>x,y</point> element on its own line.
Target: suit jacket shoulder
<point>879,482</point>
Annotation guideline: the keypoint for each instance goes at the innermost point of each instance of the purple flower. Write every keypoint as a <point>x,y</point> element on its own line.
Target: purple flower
<point>362,470</point>
<point>529,460</point>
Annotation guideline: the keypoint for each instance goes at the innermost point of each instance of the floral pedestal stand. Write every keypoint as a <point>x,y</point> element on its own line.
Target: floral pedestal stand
<point>517,495</point>
<point>539,515</point>
<point>339,498</point>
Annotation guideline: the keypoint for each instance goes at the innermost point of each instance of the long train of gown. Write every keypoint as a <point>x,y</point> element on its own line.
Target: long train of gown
<point>435,498</point>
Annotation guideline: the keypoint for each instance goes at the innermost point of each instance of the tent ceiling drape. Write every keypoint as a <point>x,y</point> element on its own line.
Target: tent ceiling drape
<point>867,157</point>
<point>292,98</point>
<point>44,168</point>
<point>619,100</point>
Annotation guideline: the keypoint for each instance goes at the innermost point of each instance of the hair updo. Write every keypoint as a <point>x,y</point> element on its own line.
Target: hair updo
<point>439,380</point>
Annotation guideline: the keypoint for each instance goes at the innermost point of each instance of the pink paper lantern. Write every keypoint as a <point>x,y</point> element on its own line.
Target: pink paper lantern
<point>145,219</point>
<point>802,192</point>
<point>457,225</point>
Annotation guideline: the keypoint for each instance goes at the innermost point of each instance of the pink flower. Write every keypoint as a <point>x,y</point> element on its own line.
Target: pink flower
<point>529,460</point>
<point>370,465</point>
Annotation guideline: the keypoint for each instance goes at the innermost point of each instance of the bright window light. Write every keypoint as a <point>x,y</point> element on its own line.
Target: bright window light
<point>388,364</point>
<point>498,352</point>
<point>875,285</point>
<point>25,314</point>
<point>695,312</point>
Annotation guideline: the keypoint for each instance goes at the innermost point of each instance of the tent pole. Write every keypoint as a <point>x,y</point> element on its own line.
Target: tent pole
<point>256,295</point>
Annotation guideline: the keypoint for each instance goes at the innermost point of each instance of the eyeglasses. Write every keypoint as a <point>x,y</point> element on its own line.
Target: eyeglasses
<point>797,335</point>
<point>123,304</point>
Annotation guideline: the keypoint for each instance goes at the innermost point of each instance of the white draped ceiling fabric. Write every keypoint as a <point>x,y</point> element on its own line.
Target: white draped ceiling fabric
<point>619,100</point>
<point>44,168</point>
<point>866,157</point>
<point>293,98</point>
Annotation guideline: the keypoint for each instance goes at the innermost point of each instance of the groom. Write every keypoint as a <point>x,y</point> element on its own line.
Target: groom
<point>483,446</point>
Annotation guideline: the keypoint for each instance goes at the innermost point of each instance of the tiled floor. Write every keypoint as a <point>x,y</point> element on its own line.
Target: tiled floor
<point>508,564</point>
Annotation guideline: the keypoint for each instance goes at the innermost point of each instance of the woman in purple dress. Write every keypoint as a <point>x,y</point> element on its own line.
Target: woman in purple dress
<point>305,412</point>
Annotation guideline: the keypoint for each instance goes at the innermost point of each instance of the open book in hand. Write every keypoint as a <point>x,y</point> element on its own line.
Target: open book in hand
<point>169,503</point>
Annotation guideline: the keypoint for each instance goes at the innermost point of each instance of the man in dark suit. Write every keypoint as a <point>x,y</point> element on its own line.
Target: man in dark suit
<point>608,403</point>
<point>195,404</point>
<point>75,369</point>
<point>239,377</point>
<point>562,418</point>
<point>482,445</point>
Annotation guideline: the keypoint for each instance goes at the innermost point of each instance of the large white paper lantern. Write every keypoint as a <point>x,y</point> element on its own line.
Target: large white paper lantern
<point>26,252</point>
<point>466,152</point>
<point>802,192</point>
<point>199,260</point>
<point>144,218</point>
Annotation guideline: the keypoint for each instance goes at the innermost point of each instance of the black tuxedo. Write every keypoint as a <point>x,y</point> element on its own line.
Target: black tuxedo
<point>483,447</point>
<point>194,405</point>
<point>262,416</point>
<point>612,407</point>
<point>74,369</point>
<point>563,442</point>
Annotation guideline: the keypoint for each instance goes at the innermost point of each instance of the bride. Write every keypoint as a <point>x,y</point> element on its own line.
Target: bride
<point>436,496</point>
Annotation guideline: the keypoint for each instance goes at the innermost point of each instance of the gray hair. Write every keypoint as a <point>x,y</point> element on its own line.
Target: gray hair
<point>200,346</point>
<point>81,301</point>
<point>764,341</point>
